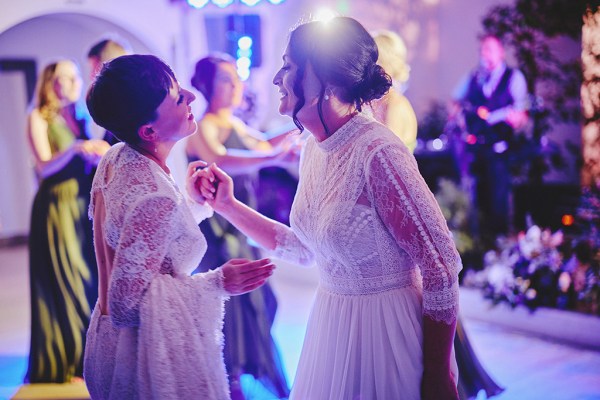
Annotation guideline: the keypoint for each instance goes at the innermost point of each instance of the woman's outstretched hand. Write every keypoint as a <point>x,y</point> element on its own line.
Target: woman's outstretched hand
<point>242,276</point>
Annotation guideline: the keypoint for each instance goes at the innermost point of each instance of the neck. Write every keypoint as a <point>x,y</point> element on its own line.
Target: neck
<point>335,117</point>
<point>224,113</point>
<point>158,154</point>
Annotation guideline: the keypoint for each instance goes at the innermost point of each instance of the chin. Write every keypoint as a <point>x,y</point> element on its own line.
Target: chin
<point>194,127</point>
<point>283,110</point>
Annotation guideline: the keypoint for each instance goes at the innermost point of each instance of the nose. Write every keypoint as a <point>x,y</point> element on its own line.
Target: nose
<point>190,96</point>
<point>277,78</point>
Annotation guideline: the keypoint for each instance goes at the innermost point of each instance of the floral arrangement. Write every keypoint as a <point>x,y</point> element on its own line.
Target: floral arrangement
<point>536,267</point>
<point>532,269</point>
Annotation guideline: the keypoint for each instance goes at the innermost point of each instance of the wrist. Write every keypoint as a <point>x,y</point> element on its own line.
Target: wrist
<point>230,208</point>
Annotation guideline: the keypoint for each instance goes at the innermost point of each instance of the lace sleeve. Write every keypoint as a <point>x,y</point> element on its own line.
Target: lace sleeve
<point>289,248</point>
<point>199,211</point>
<point>412,215</point>
<point>211,281</point>
<point>147,233</point>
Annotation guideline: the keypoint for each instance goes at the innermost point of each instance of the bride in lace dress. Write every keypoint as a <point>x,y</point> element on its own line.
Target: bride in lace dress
<point>384,316</point>
<point>155,332</point>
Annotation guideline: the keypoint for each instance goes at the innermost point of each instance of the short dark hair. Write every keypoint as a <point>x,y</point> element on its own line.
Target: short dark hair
<point>205,72</point>
<point>126,93</point>
<point>343,54</point>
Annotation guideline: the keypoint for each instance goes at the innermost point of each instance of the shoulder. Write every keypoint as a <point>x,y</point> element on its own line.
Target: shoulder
<point>36,118</point>
<point>380,140</point>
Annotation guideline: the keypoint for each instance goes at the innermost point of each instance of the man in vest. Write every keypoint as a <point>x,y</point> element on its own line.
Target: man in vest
<point>493,102</point>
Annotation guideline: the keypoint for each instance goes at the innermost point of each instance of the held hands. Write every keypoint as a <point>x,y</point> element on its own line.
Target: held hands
<point>190,180</point>
<point>213,185</point>
<point>242,276</point>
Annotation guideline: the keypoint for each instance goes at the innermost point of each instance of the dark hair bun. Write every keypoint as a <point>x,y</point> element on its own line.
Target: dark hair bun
<point>375,83</point>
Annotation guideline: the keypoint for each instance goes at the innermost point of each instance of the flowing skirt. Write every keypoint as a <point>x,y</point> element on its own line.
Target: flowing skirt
<point>63,275</point>
<point>362,347</point>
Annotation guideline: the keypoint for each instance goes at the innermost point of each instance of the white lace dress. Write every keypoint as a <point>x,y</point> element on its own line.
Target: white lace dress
<point>366,217</point>
<point>162,338</point>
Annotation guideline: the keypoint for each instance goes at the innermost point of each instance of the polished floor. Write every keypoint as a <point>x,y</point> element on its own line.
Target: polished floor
<point>528,367</point>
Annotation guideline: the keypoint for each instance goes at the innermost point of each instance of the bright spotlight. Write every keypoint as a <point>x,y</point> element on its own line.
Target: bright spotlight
<point>324,14</point>
<point>245,42</point>
<point>250,3</point>
<point>197,3</point>
<point>244,74</point>
<point>276,1</point>
<point>222,3</point>
<point>437,144</point>
<point>243,63</point>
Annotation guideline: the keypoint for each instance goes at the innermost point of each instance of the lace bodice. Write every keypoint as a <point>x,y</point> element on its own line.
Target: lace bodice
<point>148,227</point>
<point>365,215</point>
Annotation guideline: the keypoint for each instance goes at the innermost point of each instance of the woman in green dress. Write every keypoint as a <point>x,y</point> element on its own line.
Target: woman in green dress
<point>62,263</point>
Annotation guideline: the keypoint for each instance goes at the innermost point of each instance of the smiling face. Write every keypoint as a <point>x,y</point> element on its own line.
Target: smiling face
<point>227,87</point>
<point>174,119</point>
<point>285,79</point>
<point>67,82</point>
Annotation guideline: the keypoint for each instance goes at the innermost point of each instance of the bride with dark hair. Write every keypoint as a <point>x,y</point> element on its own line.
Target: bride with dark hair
<point>384,315</point>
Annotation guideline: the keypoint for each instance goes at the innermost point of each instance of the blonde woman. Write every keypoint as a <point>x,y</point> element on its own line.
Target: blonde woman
<point>394,110</point>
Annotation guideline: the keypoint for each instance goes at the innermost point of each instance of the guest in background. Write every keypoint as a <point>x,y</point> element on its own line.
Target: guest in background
<point>62,265</point>
<point>492,101</point>
<point>242,152</point>
<point>101,52</point>
<point>155,332</point>
<point>393,109</point>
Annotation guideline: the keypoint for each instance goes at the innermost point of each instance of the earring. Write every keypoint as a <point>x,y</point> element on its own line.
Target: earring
<point>326,97</point>
<point>155,149</point>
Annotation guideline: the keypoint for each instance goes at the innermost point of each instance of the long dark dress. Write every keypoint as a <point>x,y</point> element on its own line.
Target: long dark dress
<point>249,346</point>
<point>62,266</point>
<point>472,377</point>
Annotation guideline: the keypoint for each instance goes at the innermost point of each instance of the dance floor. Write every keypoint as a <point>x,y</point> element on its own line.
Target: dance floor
<point>530,368</point>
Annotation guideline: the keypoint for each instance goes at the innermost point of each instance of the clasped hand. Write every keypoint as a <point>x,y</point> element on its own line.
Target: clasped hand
<point>210,184</point>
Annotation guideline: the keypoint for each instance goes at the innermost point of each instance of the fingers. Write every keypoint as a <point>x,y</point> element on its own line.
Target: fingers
<point>194,165</point>
<point>242,276</point>
<point>205,187</point>
<point>218,172</point>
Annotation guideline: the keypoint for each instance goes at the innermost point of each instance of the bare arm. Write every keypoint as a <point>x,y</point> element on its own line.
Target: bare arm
<point>46,162</point>
<point>205,144</point>
<point>215,187</point>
